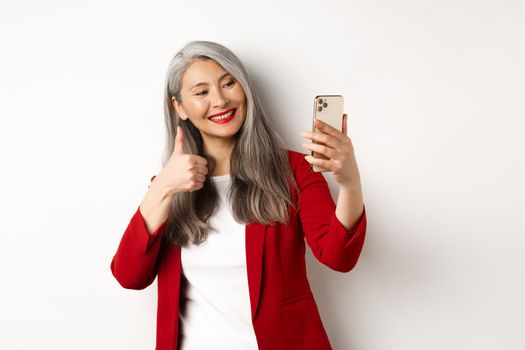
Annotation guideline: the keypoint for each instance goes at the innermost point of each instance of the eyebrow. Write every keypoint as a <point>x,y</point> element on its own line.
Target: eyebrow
<point>203,83</point>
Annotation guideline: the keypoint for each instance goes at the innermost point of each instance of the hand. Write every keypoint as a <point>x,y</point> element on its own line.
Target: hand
<point>337,146</point>
<point>183,172</point>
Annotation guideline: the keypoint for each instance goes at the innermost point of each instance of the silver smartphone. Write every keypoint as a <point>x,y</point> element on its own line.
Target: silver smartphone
<point>329,109</point>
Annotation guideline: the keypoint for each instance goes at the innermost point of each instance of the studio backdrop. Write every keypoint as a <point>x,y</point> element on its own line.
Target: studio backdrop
<point>434,92</point>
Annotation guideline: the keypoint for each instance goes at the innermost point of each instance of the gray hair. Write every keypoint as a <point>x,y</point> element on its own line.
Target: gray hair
<point>260,170</point>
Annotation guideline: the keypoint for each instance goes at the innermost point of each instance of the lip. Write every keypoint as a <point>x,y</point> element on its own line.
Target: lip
<point>226,120</point>
<point>221,113</point>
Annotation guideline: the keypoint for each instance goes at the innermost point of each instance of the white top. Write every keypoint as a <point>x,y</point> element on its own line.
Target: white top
<point>218,314</point>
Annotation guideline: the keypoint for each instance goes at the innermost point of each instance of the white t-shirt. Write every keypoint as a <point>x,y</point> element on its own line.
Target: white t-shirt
<point>217,313</point>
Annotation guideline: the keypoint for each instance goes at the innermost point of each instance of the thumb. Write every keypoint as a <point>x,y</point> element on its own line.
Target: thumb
<point>179,148</point>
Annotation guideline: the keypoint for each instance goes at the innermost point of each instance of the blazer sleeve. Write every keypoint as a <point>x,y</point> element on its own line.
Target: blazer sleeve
<point>332,244</point>
<point>134,265</point>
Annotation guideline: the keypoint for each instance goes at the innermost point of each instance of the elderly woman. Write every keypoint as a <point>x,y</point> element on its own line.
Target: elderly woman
<point>223,224</point>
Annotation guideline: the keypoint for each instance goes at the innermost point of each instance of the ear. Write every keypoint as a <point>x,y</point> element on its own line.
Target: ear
<point>178,108</point>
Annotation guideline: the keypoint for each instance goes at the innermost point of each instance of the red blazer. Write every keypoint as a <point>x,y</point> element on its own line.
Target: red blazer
<point>283,309</point>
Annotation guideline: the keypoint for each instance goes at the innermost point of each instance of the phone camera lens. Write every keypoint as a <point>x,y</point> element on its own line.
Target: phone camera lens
<point>320,100</point>
<point>320,108</point>
<point>325,104</point>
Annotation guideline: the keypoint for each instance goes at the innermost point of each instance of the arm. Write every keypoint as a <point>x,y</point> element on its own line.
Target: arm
<point>331,243</point>
<point>134,264</point>
<point>349,205</point>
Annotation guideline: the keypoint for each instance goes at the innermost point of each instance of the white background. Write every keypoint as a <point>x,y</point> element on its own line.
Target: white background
<point>435,94</point>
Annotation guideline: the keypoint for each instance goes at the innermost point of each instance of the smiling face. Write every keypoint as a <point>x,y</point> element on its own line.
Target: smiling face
<point>207,90</point>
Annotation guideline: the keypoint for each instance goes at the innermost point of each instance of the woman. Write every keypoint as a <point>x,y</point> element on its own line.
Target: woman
<point>224,222</point>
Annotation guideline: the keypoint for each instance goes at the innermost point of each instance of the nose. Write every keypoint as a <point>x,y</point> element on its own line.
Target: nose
<point>219,99</point>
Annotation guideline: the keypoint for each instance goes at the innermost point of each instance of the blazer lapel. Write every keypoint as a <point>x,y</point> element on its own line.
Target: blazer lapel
<point>255,233</point>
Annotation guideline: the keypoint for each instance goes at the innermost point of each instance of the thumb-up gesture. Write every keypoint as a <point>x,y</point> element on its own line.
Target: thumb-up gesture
<point>184,172</point>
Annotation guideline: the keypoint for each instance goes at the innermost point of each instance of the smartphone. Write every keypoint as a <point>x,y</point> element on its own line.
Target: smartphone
<point>329,109</point>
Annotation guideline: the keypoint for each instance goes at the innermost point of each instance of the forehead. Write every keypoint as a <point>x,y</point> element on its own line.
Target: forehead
<point>203,72</point>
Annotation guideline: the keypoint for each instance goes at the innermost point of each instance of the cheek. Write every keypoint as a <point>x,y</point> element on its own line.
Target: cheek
<point>197,105</point>
<point>239,93</point>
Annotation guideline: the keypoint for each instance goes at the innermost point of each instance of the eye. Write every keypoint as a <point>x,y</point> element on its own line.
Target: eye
<point>230,83</point>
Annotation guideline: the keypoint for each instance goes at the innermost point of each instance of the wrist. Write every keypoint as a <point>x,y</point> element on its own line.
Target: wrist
<point>354,186</point>
<point>160,190</point>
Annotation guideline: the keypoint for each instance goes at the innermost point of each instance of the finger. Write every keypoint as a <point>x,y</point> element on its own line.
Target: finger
<point>200,177</point>
<point>327,164</point>
<point>201,169</point>
<point>179,137</point>
<point>325,150</point>
<point>322,138</point>
<point>199,160</point>
<point>328,129</point>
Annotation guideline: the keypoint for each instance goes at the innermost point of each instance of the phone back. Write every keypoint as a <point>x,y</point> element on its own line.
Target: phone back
<point>329,109</point>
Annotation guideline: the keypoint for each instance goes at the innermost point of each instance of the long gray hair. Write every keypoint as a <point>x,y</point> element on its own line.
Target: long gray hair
<point>260,169</point>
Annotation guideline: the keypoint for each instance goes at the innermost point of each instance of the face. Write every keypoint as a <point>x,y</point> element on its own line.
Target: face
<point>208,90</point>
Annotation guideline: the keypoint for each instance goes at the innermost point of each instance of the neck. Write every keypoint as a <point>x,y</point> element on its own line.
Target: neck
<point>221,151</point>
